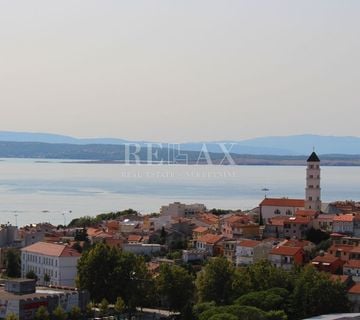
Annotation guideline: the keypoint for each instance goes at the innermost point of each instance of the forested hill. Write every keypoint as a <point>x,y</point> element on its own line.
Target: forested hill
<point>117,153</point>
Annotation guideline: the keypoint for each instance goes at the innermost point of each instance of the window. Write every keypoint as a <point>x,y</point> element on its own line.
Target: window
<point>277,211</point>
<point>288,212</point>
<point>310,198</point>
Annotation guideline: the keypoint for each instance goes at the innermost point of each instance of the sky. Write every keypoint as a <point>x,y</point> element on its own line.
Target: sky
<point>180,70</point>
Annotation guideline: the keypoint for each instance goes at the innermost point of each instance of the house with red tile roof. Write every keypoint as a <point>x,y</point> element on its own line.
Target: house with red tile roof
<point>354,297</point>
<point>341,251</point>
<point>286,257</point>
<point>327,263</point>
<point>324,222</point>
<point>352,268</point>
<point>56,261</point>
<point>210,243</point>
<point>343,223</point>
<point>272,207</point>
<point>297,227</point>
<point>251,251</point>
<point>199,232</point>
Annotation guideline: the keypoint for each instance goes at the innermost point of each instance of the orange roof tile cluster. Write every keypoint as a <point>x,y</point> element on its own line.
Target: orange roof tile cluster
<point>283,202</point>
<point>278,221</point>
<point>339,277</point>
<point>134,238</point>
<point>306,213</point>
<point>326,258</point>
<point>352,264</point>
<point>249,243</point>
<point>299,220</point>
<point>326,217</point>
<point>285,251</point>
<point>297,243</point>
<point>355,289</point>
<point>210,238</point>
<point>341,247</point>
<point>51,249</point>
<point>344,218</point>
<point>200,229</point>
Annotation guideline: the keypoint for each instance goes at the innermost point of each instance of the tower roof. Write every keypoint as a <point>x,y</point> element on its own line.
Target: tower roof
<point>313,158</point>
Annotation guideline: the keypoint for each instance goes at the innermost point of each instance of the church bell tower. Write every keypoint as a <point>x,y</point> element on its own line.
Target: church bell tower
<point>313,190</point>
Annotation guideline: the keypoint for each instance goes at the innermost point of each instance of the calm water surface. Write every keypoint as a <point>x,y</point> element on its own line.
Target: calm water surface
<point>42,191</point>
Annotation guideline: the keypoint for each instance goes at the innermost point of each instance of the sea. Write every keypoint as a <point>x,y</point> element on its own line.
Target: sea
<point>57,191</point>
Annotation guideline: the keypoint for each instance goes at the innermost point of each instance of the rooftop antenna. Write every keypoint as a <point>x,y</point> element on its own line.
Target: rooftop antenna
<point>265,191</point>
<point>16,222</point>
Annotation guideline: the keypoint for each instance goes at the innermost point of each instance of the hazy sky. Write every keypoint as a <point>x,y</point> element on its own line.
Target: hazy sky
<point>180,70</point>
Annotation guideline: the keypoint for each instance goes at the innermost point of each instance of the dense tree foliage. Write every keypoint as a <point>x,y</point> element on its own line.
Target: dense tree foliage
<point>315,293</point>
<point>175,286</point>
<point>109,273</point>
<point>42,314</point>
<point>88,221</point>
<point>215,281</point>
<point>13,263</point>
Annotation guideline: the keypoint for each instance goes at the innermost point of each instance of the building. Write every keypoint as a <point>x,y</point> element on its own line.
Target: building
<point>56,263</point>
<point>210,243</point>
<point>327,263</point>
<point>296,227</point>
<point>343,224</point>
<point>251,251</point>
<point>313,190</point>
<point>352,268</point>
<point>275,207</point>
<point>286,257</point>
<point>22,298</point>
<point>178,209</point>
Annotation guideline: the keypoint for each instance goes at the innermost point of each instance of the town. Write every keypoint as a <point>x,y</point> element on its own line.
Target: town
<point>66,271</point>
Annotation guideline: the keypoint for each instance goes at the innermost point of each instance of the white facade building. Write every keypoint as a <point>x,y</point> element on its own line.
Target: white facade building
<point>313,190</point>
<point>57,261</point>
<point>275,207</point>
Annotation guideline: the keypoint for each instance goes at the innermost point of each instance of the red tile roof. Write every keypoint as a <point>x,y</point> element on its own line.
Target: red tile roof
<point>344,218</point>
<point>299,220</point>
<point>283,202</point>
<point>355,289</point>
<point>327,258</point>
<point>249,243</point>
<point>352,264</point>
<point>51,249</point>
<point>200,229</point>
<point>285,251</point>
<point>342,278</point>
<point>306,213</point>
<point>210,238</point>
<point>134,238</point>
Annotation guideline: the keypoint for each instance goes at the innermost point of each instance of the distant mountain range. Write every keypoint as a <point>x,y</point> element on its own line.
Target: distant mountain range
<point>277,145</point>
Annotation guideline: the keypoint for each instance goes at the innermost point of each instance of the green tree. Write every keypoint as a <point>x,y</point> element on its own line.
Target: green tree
<point>240,312</point>
<point>75,313</point>
<point>42,314</point>
<point>89,310</point>
<point>109,273</point>
<point>13,263</point>
<point>104,307</point>
<point>59,313</point>
<point>175,285</point>
<point>224,316</point>
<point>31,275</point>
<point>214,282</point>
<point>315,293</point>
<point>276,315</point>
<point>96,269</point>
<point>46,278</point>
<point>119,305</point>
<point>263,300</point>
<point>11,316</point>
